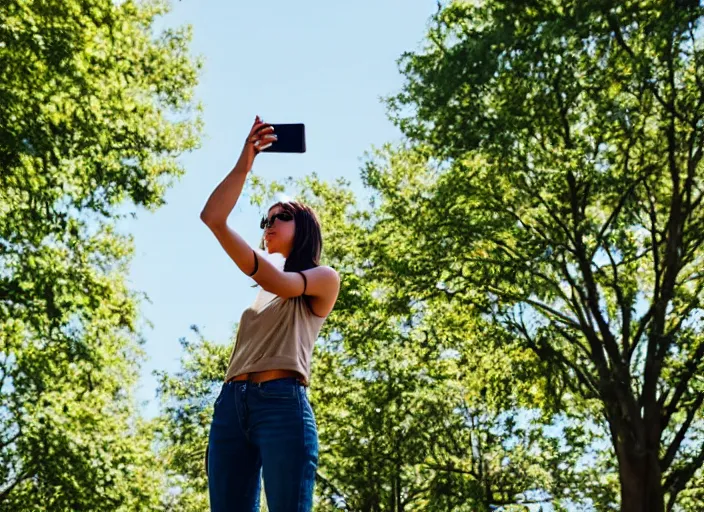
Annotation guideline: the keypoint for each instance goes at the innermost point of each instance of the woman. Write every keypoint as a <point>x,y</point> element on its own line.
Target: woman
<point>263,421</point>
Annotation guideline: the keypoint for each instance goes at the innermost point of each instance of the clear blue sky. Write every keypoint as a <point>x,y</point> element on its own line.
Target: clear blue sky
<point>322,63</point>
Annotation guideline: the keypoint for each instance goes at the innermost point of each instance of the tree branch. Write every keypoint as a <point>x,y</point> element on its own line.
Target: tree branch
<point>585,267</point>
<point>613,24</point>
<point>537,304</point>
<point>690,370</point>
<point>626,309</point>
<point>329,484</point>
<point>14,438</point>
<point>669,456</point>
<point>621,203</point>
<point>27,474</point>
<point>545,351</point>
<point>678,479</point>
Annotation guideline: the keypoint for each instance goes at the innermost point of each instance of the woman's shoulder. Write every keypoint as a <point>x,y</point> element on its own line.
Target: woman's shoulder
<point>324,270</point>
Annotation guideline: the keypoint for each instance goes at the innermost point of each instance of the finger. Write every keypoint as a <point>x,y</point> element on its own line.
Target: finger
<point>258,124</point>
<point>257,131</point>
<point>271,137</point>
<point>263,129</point>
<point>261,139</point>
<point>255,128</point>
<point>263,143</point>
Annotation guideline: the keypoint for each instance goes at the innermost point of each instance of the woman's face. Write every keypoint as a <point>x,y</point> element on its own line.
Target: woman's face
<point>279,237</point>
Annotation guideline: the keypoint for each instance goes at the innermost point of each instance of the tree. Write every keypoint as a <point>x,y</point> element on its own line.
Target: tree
<point>95,109</point>
<point>554,184</point>
<point>186,412</point>
<point>420,404</point>
<point>413,412</point>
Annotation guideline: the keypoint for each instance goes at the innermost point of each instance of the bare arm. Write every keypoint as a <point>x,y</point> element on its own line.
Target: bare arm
<point>320,281</point>
<point>225,196</point>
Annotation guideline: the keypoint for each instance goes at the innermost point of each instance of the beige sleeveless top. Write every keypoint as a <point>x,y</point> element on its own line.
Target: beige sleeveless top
<point>275,334</point>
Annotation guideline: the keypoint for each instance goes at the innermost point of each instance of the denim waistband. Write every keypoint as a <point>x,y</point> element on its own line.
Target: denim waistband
<point>290,380</point>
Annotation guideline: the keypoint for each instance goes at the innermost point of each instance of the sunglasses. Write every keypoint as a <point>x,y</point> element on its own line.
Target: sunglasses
<point>267,223</point>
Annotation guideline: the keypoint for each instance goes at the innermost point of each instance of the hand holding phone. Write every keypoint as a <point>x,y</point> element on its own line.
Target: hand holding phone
<point>272,138</point>
<point>261,136</point>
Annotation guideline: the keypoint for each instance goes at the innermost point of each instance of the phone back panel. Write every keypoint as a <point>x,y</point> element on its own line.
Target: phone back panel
<point>291,139</point>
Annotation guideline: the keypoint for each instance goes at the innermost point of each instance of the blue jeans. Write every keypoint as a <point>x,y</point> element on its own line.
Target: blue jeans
<point>264,427</point>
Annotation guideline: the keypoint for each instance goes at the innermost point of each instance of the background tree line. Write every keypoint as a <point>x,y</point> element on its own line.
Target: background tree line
<point>519,325</point>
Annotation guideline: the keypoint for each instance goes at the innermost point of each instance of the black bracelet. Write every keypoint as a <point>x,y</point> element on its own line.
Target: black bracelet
<point>305,282</point>
<point>256,263</point>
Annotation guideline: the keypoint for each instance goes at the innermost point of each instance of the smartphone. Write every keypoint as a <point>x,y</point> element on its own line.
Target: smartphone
<point>291,139</point>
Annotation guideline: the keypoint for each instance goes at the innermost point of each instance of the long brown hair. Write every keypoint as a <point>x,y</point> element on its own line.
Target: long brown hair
<point>308,239</point>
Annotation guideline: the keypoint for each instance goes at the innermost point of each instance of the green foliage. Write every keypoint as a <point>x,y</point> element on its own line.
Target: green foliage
<point>422,405</point>
<point>519,322</point>
<point>564,146</point>
<point>182,428</point>
<point>520,313</point>
<point>95,109</point>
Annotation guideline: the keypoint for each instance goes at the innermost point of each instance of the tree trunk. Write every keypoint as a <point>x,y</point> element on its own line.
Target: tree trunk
<point>640,476</point>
